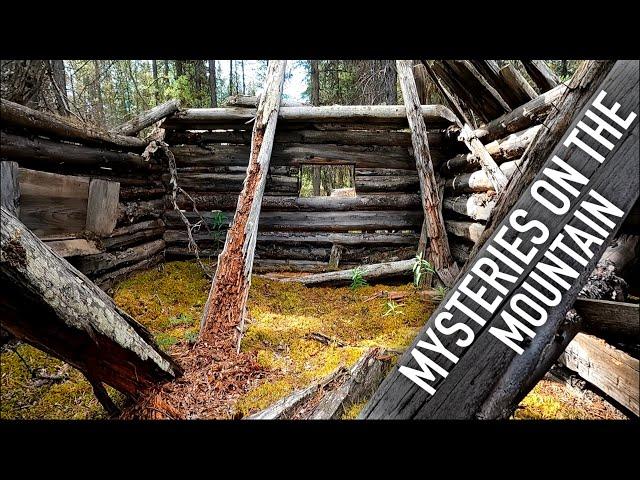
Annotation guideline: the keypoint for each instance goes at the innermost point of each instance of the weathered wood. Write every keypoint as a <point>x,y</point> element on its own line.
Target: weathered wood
<point>102,207</point>
<point>439,253</point>
<point>53,204</point>
<point>39,151</point>
<point>369,184</point>
<point>108,281</point>
<point>367,239</point>
<point>485,377</point>
<point>317,221</point>
<point>10,187</point>
<point>613,321</point>
<point>541,74</point>
<point>467,230</point>
<point>252,101</point>
<point>517,84</point>
<point>226,303</point>
<point>611,370</point>
<point>459,249</point>
<point>369,272</point>
<point>478,181</point>
<point>148,118</point>
<point>476,206</point>
<point>137,193</point>
<point>134,233</point>
<point>32,121</point>
<point>97,264</point>
<point>131,212</point>
<point>231,183</point>
<point>212,118</point>
<point>521,118</point>
<point>491,101</point>
<point>335,255</point>
<point>501,150</point>
<point>48,303</point>
<point>622,252</point>
<point>73,247</point>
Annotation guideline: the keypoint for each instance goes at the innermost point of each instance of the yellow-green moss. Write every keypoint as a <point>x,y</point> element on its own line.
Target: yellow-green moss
<point>353,411</point>
<point>542,403</point>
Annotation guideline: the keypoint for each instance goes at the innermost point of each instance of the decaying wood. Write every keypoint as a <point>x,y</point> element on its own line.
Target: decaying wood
<point>541,74</point>
<point>335,255</point>
<point>102,206</point>
<point>134,233</point>
<point>227,298</point>
<point>107,280</point>
<point>439,254</point>
<point>148,118</point>
<point>613,371</point>
<point>10,187</point>
<point>39,151</point>
<point>51,305</point>
<point>34,121</point>
<point>252,101</point>
<point>131,212</point>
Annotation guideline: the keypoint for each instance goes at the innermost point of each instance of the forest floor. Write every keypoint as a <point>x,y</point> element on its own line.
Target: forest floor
<point>281,343</point>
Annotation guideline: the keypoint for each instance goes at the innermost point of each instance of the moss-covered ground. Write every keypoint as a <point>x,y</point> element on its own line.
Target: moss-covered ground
<point>169,300</point>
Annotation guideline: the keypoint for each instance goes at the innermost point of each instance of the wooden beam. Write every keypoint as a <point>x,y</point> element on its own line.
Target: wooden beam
<point>226,304</point>
<point>49,304</point>
<point>147,118</point>
<point>613,321</point>
<point>439,254</point>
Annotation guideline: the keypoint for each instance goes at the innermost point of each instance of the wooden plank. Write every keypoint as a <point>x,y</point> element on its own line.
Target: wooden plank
<point>10,187</point>
<point>102,207</point>
<point>53,204</point>
<point>486,369</point>
<point>618,321</point>
<point>73,247</point>
<point>611,370</point>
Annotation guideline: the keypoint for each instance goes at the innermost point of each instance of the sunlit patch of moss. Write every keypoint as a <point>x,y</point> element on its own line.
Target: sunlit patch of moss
<point>263,395</point>
<point>542,404</point>
<point>352,412</point>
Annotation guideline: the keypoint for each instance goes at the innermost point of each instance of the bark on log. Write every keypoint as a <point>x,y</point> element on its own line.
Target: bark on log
<point>32,121</point>
<point>227,299</point>
<point>541,74</point>
<point>213,118</point>
<point>39,151</point>
<point>433,226</point>
<point>148,118</point>
<point>76,321</point>
<point>501,150</point>
<point>369,273</point>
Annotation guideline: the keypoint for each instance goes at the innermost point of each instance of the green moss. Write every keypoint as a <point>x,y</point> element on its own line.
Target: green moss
<point>352,412</point>
<point>543,403</point>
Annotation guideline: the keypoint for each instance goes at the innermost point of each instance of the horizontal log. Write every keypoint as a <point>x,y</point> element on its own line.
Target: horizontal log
<point>300,154</point>
<point>135,192</point>
<point>41,151</point>
<point>611,370</point>
<point>353,114</point>
<point>252,101</point>
<point>135,233</point>
<point>459,249</point>
<point>148,118</point>
<point>476,206</point>
<point>17,116</point>
<point>501,150</point>
<point>109,280</point>
<point>368,272</point>
<point>437,138</point>
<point>229,182</point>
<point>367,184</point>
<point>330,238</point>
<point>478,180</point>
<point>281,170</point>
<point>468,230</point>
<point>521,118</point>
<point>613,321</point>
<point>215,201</point>
<point>92,265</point>
<point>132,212</point>
<point>320,221</point>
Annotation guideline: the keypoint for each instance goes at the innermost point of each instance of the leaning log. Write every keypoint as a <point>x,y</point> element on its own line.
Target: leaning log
<point>32,121</point>
<point>147,118</point>
<point>39,151</point>
<point>541,74</point>
<point>49,304</point>
<point>517,84</point>
<point>226,304</point>
<point>433,226</point>
<point>369,272</point>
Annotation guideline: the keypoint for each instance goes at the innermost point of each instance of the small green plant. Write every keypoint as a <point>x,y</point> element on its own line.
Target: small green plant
<point>217,222</point>
<point>392,308</point>
<point>420,267</point>
<point>357,280</point>
<point>181,319</point>
<point>441,291</point>
<point>191,336</point>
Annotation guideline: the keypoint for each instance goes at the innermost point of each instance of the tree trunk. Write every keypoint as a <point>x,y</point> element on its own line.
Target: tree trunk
<point>227,299</point>
<point>49,304</point>
<point>439,254</point>
<point>316,179</point>
<point>315,82</point>
<point>212,83</point>
<point>156,87</point>
<point>98,102</point>
<point>59,78</point>
<point>230,77</point>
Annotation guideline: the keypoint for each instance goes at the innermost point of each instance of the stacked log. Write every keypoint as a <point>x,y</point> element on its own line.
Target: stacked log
<point>61,164</point>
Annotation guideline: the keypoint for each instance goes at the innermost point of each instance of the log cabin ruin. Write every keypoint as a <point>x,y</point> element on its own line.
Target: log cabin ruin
<point>84,208</point>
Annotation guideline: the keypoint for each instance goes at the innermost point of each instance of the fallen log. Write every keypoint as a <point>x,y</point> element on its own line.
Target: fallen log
<point>226,303</point>
<point>49,304</point>
<point>39,151</point>
<point>368,272</point>
<point>148,118</point>
<point>212,118</point>
<point>507,148</point>
<point>541,74</point>
<point>433,226</point>
<point>34,121</point>
<point>510,86</point>
<point>476,206</point>
<point>478,180</point>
